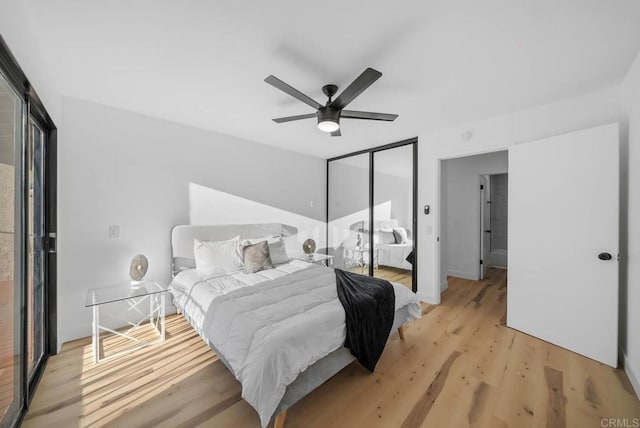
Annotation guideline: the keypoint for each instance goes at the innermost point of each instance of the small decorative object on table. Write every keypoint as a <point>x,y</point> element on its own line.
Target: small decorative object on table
<point>138,269</point>
<point>309,246</point>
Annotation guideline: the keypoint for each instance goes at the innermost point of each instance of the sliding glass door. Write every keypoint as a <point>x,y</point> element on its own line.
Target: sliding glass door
<point>371,212</point>
<point>27,217</point>
<point>11,290</point>
<point>35,251</point>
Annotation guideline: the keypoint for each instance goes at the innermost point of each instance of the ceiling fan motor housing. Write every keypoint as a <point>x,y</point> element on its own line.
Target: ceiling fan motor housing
<point>328,114</point>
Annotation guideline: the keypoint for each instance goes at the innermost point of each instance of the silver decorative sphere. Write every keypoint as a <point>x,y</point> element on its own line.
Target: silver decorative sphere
<point>138,267</point>
<point>309,246</point>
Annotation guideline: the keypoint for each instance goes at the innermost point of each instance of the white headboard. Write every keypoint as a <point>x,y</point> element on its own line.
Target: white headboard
<point>182,238</point>
<point>377,225</point>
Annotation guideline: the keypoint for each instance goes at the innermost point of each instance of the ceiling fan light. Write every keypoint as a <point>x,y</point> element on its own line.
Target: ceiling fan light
<point>328,119</point>
<point>328,125</point>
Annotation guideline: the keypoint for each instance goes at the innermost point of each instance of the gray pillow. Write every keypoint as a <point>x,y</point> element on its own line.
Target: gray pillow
<point>386,237</point>
<point>400,234</point>
<point>278,251</point>
<point>257,257</point>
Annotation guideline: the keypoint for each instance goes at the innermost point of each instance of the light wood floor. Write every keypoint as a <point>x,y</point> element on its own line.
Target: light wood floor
<point>401,276</point>
<point>459,366</point>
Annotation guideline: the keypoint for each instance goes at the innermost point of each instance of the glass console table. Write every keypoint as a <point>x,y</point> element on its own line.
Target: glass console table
<point>361,257</point>
<point>133,296</point>
<point>316,258</point>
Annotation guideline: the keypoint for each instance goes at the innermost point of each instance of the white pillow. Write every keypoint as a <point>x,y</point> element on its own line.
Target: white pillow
<point>278,251</point>
<point>214,257</point>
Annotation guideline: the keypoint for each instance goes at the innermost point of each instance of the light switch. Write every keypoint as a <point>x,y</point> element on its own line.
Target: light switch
<point>114,231</point>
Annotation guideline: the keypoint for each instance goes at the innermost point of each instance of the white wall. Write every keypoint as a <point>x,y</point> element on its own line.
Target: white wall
<point>16,30</point>
<point>630,226</point>
<point>461,242</point>
<point>493,134</point>
<point>147,175</point>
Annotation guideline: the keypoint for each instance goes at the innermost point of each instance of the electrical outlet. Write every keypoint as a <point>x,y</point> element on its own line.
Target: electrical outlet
<point>114,231</point>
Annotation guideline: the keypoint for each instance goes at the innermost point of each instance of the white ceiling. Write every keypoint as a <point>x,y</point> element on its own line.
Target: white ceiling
<point>444,62</point>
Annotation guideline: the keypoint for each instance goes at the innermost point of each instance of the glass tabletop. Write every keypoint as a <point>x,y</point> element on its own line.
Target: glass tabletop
<point>312,257</point>
<point>115,293</point>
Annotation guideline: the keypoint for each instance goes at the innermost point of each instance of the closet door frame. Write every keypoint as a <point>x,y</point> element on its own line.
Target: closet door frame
<point>414,217</point>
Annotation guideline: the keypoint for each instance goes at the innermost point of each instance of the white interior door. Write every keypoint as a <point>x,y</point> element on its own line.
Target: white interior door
<point>563,218</point>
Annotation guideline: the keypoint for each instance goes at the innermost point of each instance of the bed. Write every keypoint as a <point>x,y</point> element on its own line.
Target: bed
<point>389,251</point>
<point>308,301</point>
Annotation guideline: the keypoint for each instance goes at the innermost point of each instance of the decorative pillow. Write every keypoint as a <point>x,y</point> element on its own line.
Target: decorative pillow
<point>400,235</point>
<point>385,237</point>
<point>257,257</point>
<point>278,251</point>
<point>213,257</point>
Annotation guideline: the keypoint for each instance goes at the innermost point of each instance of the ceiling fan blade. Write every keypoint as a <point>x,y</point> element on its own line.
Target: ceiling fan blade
<point>298,117</point>
<point>352,114</point>
<point>356,87</point>
<point>336,133</point>
<point>274,81</point>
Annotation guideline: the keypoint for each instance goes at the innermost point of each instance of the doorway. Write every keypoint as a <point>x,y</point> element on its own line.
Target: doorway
<point>493,222</point>
<point>463,181</point>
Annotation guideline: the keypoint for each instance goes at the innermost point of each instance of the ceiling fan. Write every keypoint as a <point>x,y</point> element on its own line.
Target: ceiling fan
<point>329,115</point>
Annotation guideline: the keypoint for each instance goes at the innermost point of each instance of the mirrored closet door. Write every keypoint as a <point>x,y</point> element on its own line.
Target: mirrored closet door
<point>348,210</point>
<point>371,212</point>
<point>393,214</point>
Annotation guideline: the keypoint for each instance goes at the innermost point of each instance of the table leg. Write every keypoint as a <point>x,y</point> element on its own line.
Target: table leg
<point>162,314</point>
<point>96,333</point>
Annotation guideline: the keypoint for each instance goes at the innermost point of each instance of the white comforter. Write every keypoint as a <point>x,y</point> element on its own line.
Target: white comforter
<point>269,334</point>
<point>193,293</point>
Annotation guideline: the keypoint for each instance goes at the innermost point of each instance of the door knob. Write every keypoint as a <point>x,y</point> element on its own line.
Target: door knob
<point>604,256</point>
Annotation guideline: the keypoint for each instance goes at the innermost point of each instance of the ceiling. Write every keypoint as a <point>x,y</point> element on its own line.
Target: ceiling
<point>203,63</point>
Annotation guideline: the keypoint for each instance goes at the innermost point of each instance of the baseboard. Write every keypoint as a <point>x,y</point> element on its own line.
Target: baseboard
<point>632,372</point>
<point>444,285</point>
<point>73,333</point>
<point>427,298</point>
<point>464,275</point>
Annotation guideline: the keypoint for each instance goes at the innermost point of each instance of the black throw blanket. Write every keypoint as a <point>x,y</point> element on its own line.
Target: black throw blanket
<point>369,304</point>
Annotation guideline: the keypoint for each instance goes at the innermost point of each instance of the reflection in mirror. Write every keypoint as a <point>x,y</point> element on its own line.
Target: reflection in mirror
<point>393,214</point>
<point>348,209</point>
